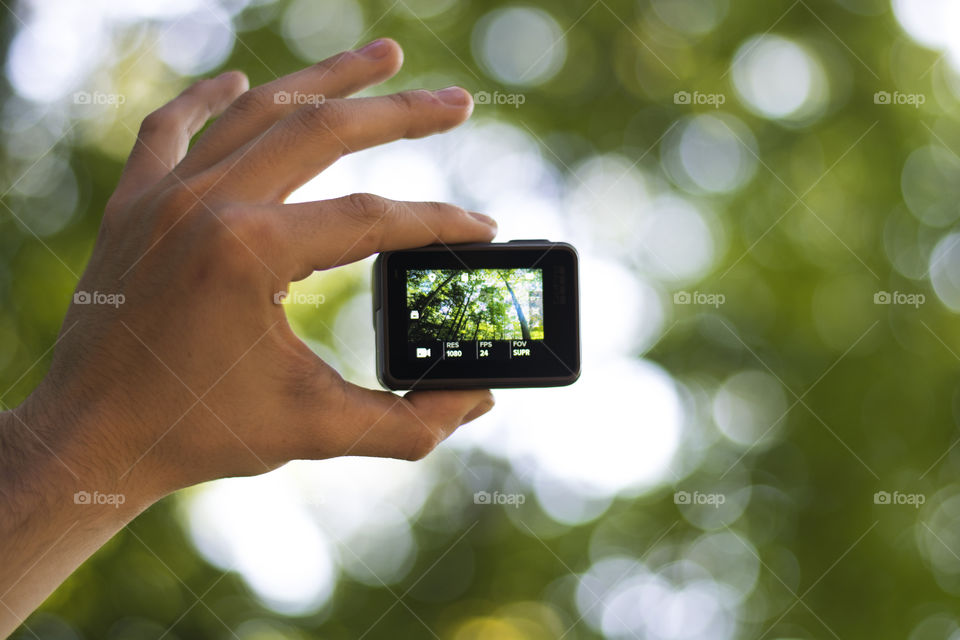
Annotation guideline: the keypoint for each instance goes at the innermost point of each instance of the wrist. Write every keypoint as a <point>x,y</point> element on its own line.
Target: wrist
<point>60,459</point>
<point>50,518</point>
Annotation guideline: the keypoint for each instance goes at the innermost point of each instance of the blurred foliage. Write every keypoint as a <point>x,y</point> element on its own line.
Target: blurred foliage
<point>871,389</point>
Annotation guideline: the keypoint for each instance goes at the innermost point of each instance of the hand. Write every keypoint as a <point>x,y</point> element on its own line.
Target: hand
<point>193,372</point>
<point>197,375</point>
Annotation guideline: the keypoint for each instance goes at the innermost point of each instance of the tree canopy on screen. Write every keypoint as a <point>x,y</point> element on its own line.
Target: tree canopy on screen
<point>483,304</point>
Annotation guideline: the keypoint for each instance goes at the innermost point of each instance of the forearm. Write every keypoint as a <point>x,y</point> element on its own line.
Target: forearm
<point>58,505</point>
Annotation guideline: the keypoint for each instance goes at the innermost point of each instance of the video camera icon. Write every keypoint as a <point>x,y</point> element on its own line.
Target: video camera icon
<point>423,352</point>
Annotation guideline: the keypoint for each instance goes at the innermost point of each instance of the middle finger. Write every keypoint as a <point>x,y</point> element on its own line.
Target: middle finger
<point>312,138</point>
<point>261,107</point>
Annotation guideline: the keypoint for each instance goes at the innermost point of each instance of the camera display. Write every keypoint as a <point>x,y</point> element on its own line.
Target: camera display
<point>483,315</point>
<point>484,304</point>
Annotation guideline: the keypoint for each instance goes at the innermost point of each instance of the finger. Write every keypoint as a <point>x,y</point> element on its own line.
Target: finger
<point>258,109</point>
<point>382,424</point>
<point>313,137</point>
<point>165,134</point>
<point>321,235</point>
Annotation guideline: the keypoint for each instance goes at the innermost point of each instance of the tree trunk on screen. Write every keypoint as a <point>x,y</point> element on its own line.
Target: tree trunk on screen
<point>464,317</point>
<point>516,305</point>
<point>461,310</point>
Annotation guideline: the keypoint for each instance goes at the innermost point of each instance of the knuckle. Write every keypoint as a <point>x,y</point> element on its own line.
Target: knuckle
<point>365,212</point>
<point>197,89</point>
<point>365,208</point>
<point>175,201</point>
<point>163,120</point>
<point>248,226</point>
<point>230,240</point>
<point>407,100</point>
<point>307,381</point>
<point>172,205</point>
<point>320,120</point>
<point>422,444</point>
<point>252,102</point>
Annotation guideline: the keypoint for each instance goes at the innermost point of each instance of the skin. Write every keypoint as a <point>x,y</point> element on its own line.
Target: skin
<point>197,375</point>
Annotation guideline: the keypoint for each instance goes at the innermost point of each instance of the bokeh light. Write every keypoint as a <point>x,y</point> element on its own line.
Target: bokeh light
<point>693,17</point>
<point>710,154</point>
<point>933,23</point>
<point>316,30</point>
<point>520,45</point>
<point>779,79</point>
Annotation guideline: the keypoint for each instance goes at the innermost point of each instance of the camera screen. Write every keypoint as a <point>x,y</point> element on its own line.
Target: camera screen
<point>474,314</point>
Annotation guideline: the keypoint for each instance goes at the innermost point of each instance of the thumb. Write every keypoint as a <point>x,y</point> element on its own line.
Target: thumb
<point>383,424</point>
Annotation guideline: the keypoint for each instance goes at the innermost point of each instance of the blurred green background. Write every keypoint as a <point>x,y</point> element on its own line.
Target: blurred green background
<point>765,196</point>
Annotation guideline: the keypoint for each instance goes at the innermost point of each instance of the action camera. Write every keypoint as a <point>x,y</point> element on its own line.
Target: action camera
<point>477,316</point>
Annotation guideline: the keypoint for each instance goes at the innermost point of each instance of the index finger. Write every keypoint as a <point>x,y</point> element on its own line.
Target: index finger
<point>330,233</point>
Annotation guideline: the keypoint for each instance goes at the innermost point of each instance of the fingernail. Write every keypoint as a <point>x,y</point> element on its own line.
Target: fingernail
<point>478,410</point>
<point>376,49</point>
<point>453,96</point>
<point>485,219</point>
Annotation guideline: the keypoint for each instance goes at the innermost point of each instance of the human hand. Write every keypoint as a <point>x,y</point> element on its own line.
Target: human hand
<point>197,375</point>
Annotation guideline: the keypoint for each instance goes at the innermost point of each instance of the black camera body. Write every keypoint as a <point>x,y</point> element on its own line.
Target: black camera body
<point>485,315</point>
